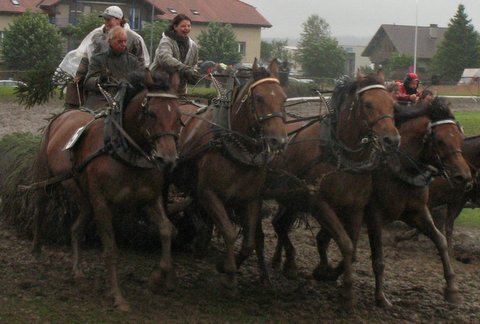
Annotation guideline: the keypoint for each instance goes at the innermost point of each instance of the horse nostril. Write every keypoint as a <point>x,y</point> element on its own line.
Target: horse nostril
<point>461,180</point>
<point>391,141</point>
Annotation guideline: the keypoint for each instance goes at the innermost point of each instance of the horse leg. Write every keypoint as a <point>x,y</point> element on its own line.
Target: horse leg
<point>214,207</point>
<point>452,213</point>
<point>374,222</point>
<point>352,224</point>
<point>38,215</point>
<point>103,219</point>
<point>424,222</point>
<point>327,218</point>
<point>282,224</point>
<point>324,271</point>
<point>260,249</point>
<point>166,275</point>
<point>78,229</point>
<point>249,215</point>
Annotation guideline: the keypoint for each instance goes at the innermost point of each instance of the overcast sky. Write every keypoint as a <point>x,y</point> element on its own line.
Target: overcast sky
<point>359,18</point>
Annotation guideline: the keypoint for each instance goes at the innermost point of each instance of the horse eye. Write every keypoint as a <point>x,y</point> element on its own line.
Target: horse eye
<point>368,105</point>
<point>258,99</point>
<point>150,114</point>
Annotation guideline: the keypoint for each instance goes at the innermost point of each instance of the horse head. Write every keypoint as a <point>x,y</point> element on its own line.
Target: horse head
<point>365,113</point>
<point>258,109</point>
<point>444,140</point>
<point>152,117</point>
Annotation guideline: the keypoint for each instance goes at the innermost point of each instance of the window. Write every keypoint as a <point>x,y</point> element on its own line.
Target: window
<point>242,46</point>
<point>195,12</point>
<point>173,11</point>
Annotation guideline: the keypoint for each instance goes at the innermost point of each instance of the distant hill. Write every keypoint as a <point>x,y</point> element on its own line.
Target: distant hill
<point>342,40</point>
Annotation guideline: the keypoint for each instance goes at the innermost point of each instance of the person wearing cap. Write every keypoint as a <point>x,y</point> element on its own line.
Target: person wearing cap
<point>96,42</point>
<point>409,89</point>
<point>109,68</point>
<point>178,52</point>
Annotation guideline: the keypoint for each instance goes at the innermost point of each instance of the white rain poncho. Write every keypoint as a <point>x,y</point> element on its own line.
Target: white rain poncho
<point>71,61</point>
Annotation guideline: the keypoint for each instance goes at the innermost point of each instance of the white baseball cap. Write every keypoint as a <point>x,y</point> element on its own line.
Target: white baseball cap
<point>112,12</point>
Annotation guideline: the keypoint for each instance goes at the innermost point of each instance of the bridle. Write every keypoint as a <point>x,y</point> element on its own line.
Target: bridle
<point>357,100</point>
<point>432,140</point>
<point>146,113</point>
<point>260,119</point>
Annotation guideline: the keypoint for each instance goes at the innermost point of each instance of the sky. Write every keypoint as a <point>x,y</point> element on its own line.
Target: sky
<point>359,18</point>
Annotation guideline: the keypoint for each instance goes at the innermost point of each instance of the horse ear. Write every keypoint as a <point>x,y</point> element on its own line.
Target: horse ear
<point>360,75</point>
<point>174,82</point>
<point>274,68</point>
<point>255,66</point>
<point>381,75</point>
<point>148,78</point>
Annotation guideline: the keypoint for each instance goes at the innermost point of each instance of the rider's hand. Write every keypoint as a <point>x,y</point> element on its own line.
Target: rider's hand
<point>191,75</point>
<point>102,79</point>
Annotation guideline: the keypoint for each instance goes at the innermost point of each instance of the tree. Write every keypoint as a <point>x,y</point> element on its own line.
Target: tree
<point>86,24</point>
<point>318,53</point>
<point>274,49</point>
<point>219,44</point>
<point>398,64</point>
<point>459,49</point>
<point>152,32</point>
<point>33,47</point>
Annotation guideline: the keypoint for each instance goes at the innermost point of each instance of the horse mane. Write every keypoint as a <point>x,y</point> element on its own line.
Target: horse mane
<point>261,73</point>
<point>345,87</point>
<point>438,109</point>
<point>138,82</point>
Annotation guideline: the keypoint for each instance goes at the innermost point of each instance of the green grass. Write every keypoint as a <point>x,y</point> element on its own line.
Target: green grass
<point>469,218</point>
<point>6,93</point>
<point>471,125</point>
<point>470,120</point>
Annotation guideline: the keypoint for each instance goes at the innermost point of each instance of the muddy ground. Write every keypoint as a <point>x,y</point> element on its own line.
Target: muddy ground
<point>43,291</point>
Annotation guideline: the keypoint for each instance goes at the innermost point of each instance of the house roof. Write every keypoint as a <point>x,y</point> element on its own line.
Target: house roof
<point>23,5</point>
<point>403,39</point>
<point>225,11</point>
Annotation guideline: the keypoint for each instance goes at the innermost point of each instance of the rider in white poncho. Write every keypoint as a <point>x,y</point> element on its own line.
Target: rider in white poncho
<point>76,62</point>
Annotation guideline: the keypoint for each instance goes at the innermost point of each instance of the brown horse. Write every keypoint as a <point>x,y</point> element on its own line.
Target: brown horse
<point>430,137</point>
<point>335,157</point>
<point>446,201</point>
<point>222,159</point>
<point>119,163</point>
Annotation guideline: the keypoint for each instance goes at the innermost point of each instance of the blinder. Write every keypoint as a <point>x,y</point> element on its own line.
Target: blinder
<point>264,118</point>
<point>146,113</point>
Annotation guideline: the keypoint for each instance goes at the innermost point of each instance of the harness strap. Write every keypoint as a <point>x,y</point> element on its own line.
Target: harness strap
<point>62,177</point>
<point>373,86</point>
<point>129,139</point>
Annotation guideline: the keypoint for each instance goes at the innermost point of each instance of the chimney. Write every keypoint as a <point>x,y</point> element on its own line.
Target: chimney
<point>433,31</point>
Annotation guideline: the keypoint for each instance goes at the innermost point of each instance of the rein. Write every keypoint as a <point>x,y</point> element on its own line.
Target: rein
<point>425,172</point>
<point>338,147</point>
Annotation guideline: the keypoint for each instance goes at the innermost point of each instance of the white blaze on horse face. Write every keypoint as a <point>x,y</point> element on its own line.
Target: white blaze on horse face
<point>169,108</point>
<point>273,94</point>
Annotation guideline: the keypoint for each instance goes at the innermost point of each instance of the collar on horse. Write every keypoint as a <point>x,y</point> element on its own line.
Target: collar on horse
<point>120,144</point>
<point>422,174</point>
<point>338,149</point>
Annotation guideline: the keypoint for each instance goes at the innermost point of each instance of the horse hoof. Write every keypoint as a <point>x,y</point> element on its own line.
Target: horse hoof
<point>220,266</point>
<point>160,279</point>
<point>324,274</point>
<point>123,307</point>
<point>452,296</point>
<point>229,285</point>
<point>383,302</point>
<point>290,272</point>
